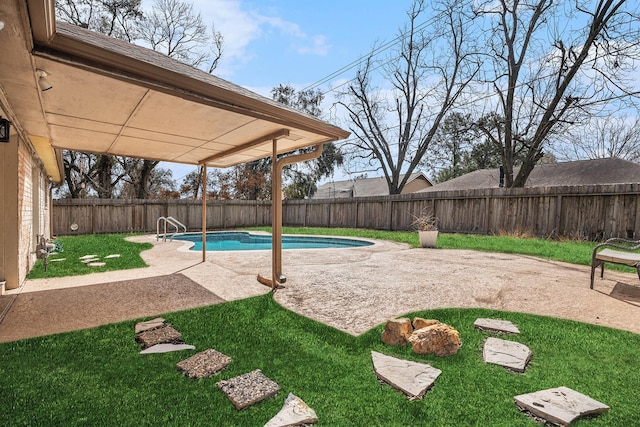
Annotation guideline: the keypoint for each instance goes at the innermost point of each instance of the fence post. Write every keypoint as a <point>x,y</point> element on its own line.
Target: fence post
<point>356,225</point>
<point>558,214</point>
<point>486,214</point>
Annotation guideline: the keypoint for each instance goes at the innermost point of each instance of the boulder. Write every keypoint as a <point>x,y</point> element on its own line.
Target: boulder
<point>397,331</point>
<point>440,339</point>
<point>419,322</point>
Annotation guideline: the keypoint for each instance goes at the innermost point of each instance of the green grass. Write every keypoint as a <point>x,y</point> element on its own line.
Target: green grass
<point>91,244</point>
<point>576,252</point>
<point>97,377</point>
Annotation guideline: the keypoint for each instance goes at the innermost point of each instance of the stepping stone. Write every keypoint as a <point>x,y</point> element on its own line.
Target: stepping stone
<point>294,412</point>
<point>163,335</point>
<point>88,260</point>
<point>204,364</point>
<point>149,324</point>
<point>411,378</point>
<point>88,256</point>
<point>508,354</point>
<point>57,259</point>
<point>112,256</point>
<point>248,389</point>
<point>167,348</point>
<point>97,264</point>
<point>496,325</point>
<point>560,405</point>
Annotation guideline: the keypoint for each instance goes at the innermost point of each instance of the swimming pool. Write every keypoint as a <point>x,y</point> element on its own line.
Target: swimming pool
<point>244,241</point>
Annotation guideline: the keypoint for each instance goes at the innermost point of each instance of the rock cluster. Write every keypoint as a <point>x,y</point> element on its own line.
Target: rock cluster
<point>425,335</point>
<point>156,336</point>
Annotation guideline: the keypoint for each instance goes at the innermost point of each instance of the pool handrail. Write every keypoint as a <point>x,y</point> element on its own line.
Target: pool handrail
<point>171,221</point>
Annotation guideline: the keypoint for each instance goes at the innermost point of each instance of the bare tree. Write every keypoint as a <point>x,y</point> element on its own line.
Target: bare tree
<point>552,64</point>
<point>175,29</point>
<point>158,184</point>
<point>89,174</point>
<point>612,137</point>
<point>115,18</point>
<point>427,73</point>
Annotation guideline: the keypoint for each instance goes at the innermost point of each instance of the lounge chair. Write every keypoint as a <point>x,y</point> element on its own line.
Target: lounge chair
<point>616,251</point>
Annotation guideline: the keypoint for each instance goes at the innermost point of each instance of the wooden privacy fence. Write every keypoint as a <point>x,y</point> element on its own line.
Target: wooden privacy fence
<point>593,212</point>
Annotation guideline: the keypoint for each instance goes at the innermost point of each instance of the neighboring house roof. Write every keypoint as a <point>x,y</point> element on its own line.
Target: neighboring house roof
<point>364,187</point>
<point>582,172</point>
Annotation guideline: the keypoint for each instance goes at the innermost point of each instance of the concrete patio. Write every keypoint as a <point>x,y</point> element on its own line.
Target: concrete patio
<point>350,289</point>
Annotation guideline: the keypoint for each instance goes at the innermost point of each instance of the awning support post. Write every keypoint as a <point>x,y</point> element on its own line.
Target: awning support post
<point>277,165</point>
<point>204,212</point>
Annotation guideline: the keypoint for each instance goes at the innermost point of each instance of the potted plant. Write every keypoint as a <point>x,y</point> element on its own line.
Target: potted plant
<point>427,226</point>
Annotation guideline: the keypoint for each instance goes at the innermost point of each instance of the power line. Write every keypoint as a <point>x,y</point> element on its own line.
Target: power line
<point>383,47</point>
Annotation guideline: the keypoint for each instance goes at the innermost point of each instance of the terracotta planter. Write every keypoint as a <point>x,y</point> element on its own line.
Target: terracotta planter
<point>428,238</point>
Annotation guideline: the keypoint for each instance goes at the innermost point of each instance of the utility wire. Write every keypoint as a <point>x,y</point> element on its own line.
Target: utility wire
<point>376,51</point>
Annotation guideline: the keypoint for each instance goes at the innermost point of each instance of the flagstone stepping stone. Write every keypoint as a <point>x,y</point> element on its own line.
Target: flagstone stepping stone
<point>88,260</point>
<point>496,325</point>
<point>165,334</point>
<point>204,364</point>
<point>508,354</point>
<point>97,264</point>
<point>57,259</point>
<point>411,378</point>
<point>167,348</point>
<point>88,256</point>
<point>560,405</point>
<point>149,324</point>
<point>112,256</point>
<point>294,412</point>
<point>248,389</point>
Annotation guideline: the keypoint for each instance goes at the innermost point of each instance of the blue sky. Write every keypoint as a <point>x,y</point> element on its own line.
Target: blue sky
<point>268,42</point>
<point>297,42</point>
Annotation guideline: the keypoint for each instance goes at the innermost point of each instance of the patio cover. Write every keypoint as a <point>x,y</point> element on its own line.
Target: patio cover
<point>108,96</point>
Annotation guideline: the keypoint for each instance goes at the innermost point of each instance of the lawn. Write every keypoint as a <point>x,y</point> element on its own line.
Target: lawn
<point>97,377</point>
<point>100,245</point>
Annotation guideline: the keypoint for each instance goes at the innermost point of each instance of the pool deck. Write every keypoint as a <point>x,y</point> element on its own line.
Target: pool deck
<point>356,289</point>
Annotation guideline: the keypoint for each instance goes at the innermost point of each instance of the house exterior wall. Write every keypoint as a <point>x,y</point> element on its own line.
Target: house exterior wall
<point>24,209</point>
<point>417,184</point>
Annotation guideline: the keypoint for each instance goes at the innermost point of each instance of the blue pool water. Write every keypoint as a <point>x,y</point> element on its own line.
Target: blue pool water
<point>242,241</point>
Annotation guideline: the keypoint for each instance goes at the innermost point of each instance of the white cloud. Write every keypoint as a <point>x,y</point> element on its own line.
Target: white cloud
<point>319,47</point>
<point>240,26</point>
